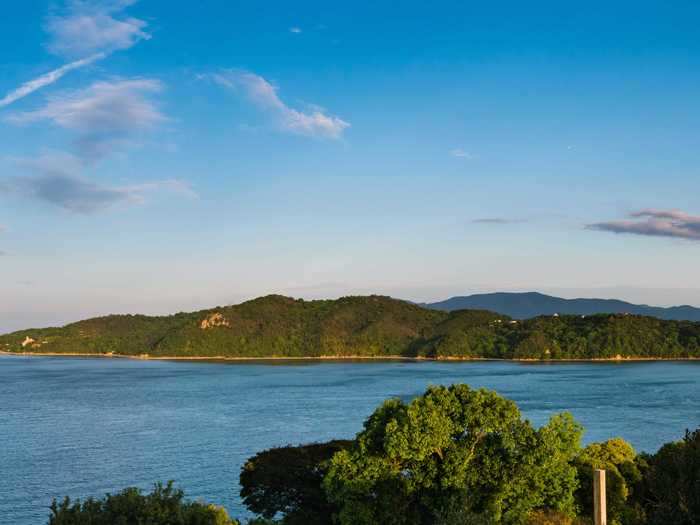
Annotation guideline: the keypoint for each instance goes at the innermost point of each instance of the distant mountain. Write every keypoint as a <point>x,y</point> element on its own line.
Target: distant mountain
<point>532,304</point>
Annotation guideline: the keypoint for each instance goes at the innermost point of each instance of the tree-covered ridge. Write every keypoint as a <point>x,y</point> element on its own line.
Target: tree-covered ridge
<point>372,326</point>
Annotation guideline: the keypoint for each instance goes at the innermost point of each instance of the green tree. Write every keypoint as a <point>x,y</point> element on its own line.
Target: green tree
<point>165,505</point>
<point>454,444</point>
<point>287,481</point>
<point>671,485</point>
<point>618,459</point>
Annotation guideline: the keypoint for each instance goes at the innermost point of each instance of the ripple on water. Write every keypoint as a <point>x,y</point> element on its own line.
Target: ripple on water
<point>84,426</point>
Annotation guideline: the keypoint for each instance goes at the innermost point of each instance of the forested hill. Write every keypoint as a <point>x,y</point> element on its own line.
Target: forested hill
<point>276,326</point>
<point>525,305</point>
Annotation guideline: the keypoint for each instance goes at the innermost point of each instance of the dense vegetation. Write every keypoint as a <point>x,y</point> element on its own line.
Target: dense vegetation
<point>288,481</point>
<point>165,505</point>
<point>276,326</point>
<point>453,456</point>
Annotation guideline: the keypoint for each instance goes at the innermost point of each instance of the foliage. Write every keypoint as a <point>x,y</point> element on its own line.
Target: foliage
<point>454,445</point>
<point>287,481</point>
<point>670,489</point>
<point>165,505</point>
<point>618,459</point>
<point>276,326</point>
<point>549,517</point>
<point>453,456</point>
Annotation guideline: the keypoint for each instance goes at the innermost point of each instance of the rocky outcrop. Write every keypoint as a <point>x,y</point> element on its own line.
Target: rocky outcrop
<point>212,321</point>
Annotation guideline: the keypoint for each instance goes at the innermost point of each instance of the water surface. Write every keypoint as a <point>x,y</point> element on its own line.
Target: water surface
<point>82,426</point>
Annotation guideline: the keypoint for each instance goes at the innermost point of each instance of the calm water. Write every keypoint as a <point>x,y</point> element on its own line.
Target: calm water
<point>87,426</point>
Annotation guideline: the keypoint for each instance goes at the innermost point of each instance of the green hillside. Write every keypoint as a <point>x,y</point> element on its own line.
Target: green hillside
<point>276,326</point>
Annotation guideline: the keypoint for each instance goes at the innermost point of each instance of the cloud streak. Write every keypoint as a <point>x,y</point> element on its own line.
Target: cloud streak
<point>496,221</point>
<point>654,223</point>
<point>313,123</point>
<point>461,154</point>
<point>44,80</point>
<point>86,33</point>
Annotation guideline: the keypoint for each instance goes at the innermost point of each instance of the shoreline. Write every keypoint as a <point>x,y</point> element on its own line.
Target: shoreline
<point>147,357</point>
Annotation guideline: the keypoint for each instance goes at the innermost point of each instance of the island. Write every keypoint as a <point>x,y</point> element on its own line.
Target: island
<point>374,326</point>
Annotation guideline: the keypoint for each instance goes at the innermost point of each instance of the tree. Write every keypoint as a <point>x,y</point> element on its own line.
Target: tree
<point>164,506</point>
<point>287,481</point>
<point>672,483</point>
<point>618,459</point>
<point>454,444</point>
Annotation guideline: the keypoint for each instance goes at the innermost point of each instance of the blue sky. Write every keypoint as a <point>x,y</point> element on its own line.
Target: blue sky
<point>158,156</point>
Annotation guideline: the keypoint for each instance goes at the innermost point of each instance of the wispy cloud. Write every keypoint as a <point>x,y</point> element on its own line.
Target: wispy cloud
<point>85,32</point>
<point>496,220</point>
<point>104,115</point>
<point>57,178</point>
<point>295,30</point>
<point>87,27</point>
<point>313,123</point>
<point>655,223</point>
<point>461,154</point>
<point>44,80</point>
<point>75,194</point>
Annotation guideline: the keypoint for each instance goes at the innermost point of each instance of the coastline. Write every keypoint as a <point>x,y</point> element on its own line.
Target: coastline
<point>148,357</point>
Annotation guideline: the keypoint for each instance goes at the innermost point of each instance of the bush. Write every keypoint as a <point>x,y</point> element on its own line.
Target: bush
<point>164,506</point>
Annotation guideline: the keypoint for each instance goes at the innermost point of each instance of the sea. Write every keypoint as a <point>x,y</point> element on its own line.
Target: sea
<point>82,427</point>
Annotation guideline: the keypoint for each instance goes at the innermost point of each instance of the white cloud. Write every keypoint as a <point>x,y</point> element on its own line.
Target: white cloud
<point>460,153</point>
<point>496,220</point>
<point>57,178</point>
<point>47,79</point>
<point>88,27</point>
<point>105,106</point>
<point>313,123</point>
<point>85,32</point>
<point>104,115</point>
<point>295,30</point>
<point>656,223</point>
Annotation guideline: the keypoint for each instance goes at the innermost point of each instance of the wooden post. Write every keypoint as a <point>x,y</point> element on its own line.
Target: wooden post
<point>600,513</point>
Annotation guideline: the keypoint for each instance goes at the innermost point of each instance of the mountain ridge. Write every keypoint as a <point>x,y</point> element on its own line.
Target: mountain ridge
<point>362,326</point>
<point>526,305</point>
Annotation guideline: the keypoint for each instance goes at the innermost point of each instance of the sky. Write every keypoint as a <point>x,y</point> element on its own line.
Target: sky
<point>160,156</point>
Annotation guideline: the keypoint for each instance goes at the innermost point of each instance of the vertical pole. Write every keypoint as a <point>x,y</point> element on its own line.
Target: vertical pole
<point>600,514</point>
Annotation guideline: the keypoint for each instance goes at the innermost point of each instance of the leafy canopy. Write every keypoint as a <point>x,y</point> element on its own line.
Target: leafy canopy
<point>165,505</point>
<point>454,444</point>
<point>287,481</point>
<point>671,485</point>
<point>618,459</point>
